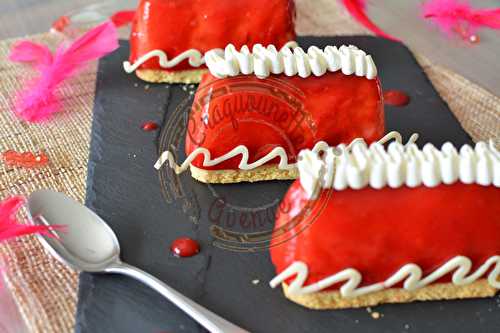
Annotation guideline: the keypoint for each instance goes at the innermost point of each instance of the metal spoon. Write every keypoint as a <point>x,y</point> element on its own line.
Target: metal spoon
<point>88,244</point>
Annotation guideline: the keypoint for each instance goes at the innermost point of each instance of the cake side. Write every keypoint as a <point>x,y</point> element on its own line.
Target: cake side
<point>174,35</point>
<point>164,76</point>
<point>264,99</point>
<point>390,224</point>
<point>328,300</point>
<point>265,172</point>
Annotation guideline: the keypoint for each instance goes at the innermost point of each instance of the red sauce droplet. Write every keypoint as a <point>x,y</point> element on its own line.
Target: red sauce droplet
<point>25,160</point>
<point>184,247</point>
<point>150,126</point>
<point>61,23</point>
<point>396,98</point>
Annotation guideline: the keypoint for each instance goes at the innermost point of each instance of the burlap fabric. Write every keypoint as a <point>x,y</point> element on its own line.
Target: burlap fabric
<point>44,290</point>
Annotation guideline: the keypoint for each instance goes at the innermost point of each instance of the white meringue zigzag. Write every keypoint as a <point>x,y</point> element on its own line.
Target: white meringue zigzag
<point>194,57</point>
<point>242,150</point>
<point>410,274</point>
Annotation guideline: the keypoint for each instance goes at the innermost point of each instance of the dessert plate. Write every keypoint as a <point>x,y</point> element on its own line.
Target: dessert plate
<point>148,210</point>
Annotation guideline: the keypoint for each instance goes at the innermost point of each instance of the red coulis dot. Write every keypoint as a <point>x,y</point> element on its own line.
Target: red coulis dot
<point>150,126</point>
<point>396,98</point>
<point>184,247</point>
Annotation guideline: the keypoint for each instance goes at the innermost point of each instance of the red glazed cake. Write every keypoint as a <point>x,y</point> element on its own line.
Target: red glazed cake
<point>390,226</point>
<point>170,37</point>
<point>257,109</point>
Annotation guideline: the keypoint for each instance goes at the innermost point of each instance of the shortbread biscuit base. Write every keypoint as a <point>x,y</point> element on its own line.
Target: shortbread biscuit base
<point>162,76</point>
<point>326,300</point>
<point>265,172</point>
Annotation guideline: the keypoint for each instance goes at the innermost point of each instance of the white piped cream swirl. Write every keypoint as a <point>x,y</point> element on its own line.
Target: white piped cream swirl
<point>290,60</point>
<point>397,166</point>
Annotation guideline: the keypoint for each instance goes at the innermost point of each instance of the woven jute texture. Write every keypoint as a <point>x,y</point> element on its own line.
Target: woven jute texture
<point>44,290</point>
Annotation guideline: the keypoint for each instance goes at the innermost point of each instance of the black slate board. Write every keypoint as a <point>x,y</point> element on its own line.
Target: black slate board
<point>125,190</point>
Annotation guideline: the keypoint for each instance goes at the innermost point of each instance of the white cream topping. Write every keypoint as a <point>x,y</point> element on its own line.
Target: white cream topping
<point>410,274</point>
<point>243,151</point>
<point>359,166</point>
<point>290,60</point>
<point>194,57</point>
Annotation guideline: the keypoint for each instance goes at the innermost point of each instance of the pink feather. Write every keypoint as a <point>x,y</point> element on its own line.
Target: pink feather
<point>357,9</point>
<point>10,227</point>
<point>39,101</point>
<point>489,18</point>
<point>458,16</point>
<point>27,51</point>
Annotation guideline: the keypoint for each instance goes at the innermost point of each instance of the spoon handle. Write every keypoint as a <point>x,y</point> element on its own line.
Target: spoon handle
<point>203,316</point>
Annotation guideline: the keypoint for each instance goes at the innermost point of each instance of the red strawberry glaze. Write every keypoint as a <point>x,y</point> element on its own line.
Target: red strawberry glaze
<point>175,26</point>
<point>379,231</point>
<point>335,108</point>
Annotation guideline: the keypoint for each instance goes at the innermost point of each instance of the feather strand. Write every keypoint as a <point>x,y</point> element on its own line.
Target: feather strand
<point>357,9</point>
<point>10,226</point>
<point>458,16</point>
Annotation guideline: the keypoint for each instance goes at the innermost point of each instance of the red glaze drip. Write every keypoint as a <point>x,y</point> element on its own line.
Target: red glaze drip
<point>150,126</point>
<point>175,26</point>
<point>396,98</point>
<point>184,247</point>
<point>25,160</point>
<point>335,108</point>
<point>379,231</point>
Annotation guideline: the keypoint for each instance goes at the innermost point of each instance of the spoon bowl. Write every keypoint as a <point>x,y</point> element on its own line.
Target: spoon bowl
<point>88,244</point>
